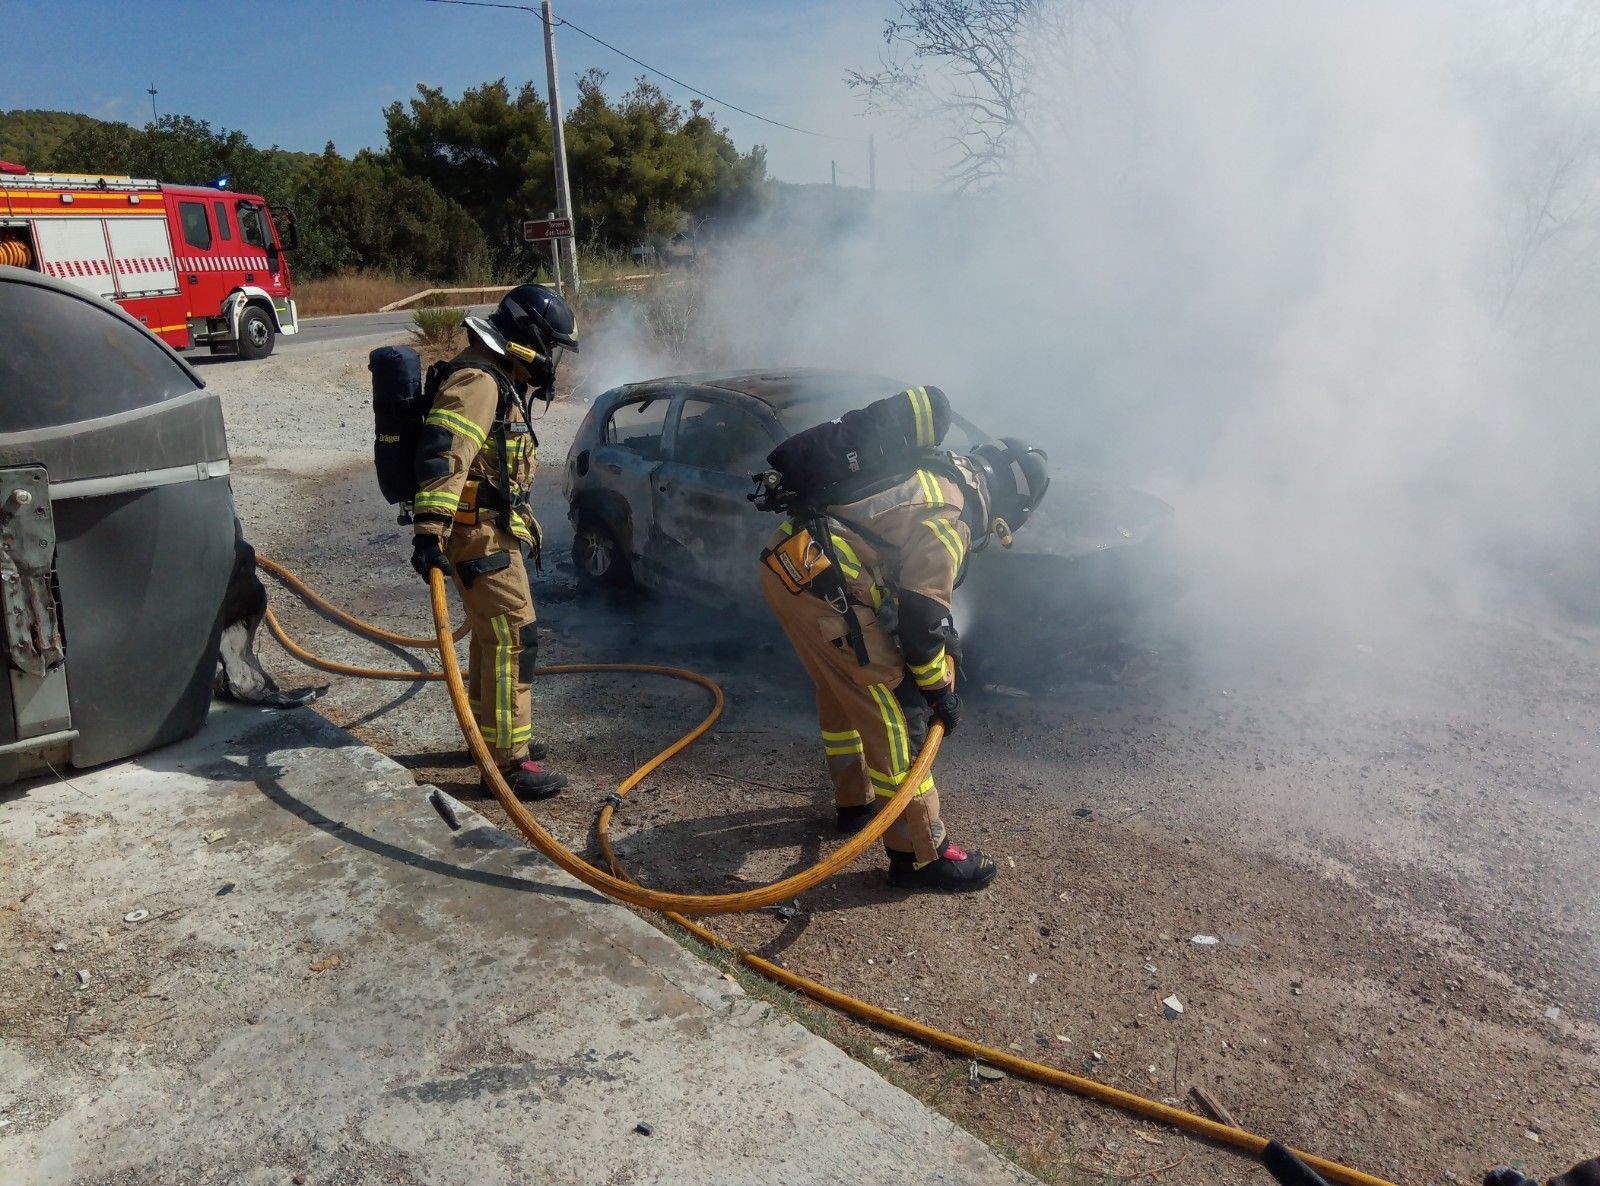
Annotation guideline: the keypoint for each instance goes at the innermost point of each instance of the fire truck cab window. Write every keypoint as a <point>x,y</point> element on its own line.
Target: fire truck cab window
<point>250,228</point>
<point>224,231</point>
<point>196,227</point>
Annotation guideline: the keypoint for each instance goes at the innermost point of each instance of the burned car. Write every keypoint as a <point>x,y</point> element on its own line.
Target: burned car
<point>658,482</point>
<point>659,475</point>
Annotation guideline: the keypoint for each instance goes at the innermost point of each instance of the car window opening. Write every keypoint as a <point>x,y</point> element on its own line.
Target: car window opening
<point>638,426</point>
<point>718,436</point>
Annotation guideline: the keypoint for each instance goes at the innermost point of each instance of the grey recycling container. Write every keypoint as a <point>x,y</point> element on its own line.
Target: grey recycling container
<point>116,532</point>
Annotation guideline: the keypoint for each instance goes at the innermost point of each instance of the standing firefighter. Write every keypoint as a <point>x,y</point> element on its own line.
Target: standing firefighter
<point>475,460</point>
<point>861,579</point>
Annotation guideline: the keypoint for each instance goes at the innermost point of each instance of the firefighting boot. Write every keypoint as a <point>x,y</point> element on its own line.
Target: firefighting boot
<point>954,870</point>
<point>851,818</point>
<point>529,780</point>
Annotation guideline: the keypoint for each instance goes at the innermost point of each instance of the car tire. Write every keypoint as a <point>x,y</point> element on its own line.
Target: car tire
<point>256,333</point>
<point>598,556</point>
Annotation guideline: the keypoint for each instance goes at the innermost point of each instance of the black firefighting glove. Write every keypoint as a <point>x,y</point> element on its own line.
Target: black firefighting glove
<point>945,706</point>
<point>426,555</point>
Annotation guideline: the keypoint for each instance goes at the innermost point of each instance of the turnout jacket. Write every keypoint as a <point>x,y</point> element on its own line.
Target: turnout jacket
<point>459,444</point>
<point>905,547</point>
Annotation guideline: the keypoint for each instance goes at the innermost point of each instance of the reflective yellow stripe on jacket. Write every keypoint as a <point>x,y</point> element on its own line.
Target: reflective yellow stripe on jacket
<point>456,423</point>
<point>932,673</point>
<point>922,414</point>
<point>949,537</point>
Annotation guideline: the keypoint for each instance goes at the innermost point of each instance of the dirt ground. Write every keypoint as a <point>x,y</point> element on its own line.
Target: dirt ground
<point>1391,842</point>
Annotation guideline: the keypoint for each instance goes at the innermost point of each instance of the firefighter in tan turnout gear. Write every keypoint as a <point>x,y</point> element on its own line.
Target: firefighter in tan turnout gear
<point>474,466</point>
<point>861,578</point>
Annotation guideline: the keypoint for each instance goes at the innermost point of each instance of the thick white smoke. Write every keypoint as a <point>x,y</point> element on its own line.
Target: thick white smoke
<point>1323,275</point>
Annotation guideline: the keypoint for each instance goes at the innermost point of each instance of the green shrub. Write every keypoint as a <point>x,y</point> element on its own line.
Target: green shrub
<point>437,327</point>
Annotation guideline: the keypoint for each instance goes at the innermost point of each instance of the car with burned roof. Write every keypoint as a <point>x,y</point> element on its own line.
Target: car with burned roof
<point>659,476</point>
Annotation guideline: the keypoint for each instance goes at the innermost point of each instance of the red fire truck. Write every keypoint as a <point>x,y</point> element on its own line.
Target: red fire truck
<point>200,267</point>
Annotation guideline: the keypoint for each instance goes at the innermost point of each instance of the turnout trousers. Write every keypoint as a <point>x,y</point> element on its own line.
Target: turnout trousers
<point>504,644</point>
<point>868,746</point>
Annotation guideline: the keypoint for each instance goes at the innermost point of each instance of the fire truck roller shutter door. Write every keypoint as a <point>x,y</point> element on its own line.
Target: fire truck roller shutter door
<point>74,250</point>
<point>142,250</point>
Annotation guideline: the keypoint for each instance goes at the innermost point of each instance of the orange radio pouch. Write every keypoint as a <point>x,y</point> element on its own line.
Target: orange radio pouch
<point>798,560</point>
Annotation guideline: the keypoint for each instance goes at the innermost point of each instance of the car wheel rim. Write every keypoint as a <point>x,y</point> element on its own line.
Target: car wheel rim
<point>596,554</point>
<point>258,332</point>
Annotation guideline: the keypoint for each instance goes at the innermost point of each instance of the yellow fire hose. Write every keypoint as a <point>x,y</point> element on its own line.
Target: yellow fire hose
<point>620,885</point>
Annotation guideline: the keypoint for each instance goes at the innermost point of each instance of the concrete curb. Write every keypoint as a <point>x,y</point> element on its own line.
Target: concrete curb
<point>331,985</point>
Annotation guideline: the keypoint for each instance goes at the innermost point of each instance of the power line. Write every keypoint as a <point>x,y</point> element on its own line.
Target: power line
<point>777,123</point>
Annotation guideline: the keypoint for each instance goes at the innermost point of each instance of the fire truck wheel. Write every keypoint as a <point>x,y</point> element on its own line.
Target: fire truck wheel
<point>256,335</point>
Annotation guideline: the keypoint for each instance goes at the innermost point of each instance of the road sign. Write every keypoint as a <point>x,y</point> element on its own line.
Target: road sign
<point>547,228</point>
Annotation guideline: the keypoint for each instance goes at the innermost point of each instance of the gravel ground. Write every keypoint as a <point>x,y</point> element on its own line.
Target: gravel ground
<point>1394,846</point>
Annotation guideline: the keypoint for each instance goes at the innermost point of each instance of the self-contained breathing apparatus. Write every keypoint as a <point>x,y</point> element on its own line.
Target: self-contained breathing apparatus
<point>865,450</point>
<point>401,400</point>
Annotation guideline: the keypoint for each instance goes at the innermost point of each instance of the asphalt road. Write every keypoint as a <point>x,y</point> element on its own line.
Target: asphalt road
<point>326,330</point>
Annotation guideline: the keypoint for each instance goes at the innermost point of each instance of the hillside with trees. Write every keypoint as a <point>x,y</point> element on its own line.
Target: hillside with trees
<point>29,136</point>
<point>445,197</point>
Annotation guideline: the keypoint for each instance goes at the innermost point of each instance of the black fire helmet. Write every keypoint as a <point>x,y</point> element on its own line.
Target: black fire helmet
<point>1017,475</point>
<point>534,317</point>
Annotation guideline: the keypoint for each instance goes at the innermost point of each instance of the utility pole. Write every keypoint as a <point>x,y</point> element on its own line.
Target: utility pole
<point>834,166</point>
<point>154,118</point>
<point>872,164</point>
<point>559,139</point>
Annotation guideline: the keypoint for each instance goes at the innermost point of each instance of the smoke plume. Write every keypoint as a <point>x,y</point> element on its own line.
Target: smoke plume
<point>1321,275</point>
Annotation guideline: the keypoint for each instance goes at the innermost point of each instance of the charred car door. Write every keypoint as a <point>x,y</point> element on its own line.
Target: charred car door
<point>631,448</point>
<point>706,531</point>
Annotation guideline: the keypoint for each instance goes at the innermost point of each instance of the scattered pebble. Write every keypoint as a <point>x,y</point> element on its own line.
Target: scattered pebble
<point>988,1072</point>
<point>322,965</point>
<point>1173,1007</point>
<point>83,977</point>
<point>1097,1056</point>
<point>216,834</point>
<point>1032,976</point>
<point>58,947</point>
<point>1553,1013</point>
<point>227,888</point>
<point>1532,1136</point>
<point>1205,940</point>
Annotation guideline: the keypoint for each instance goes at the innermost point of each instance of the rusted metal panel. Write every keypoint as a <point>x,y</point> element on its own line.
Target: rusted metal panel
<point>27,553</point>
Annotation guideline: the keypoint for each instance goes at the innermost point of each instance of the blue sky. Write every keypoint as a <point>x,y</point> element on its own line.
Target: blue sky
<point>299,73</point>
